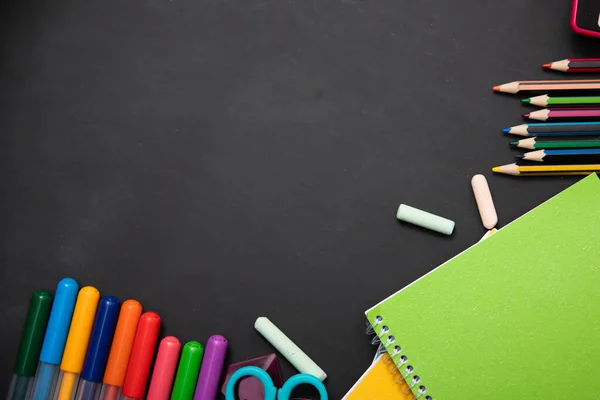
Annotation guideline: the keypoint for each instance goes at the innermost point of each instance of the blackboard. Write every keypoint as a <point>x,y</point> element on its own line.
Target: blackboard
<point>224,160</point>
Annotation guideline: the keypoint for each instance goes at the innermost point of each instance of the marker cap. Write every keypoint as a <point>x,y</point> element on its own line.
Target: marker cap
<point>187,371</point>
<point>33,333</point>
<point>101,338</point>
<point>141,356</point>
<point>59,322</point>
<point>81,328</point>
<point>164,369</point>
<point>122,343</point>
<point>212,367</point>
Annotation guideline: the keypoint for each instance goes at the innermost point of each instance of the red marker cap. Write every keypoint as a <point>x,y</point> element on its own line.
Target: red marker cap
<point>141,356</point>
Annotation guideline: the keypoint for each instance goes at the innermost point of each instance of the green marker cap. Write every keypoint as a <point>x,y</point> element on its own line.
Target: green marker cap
<point>33,333</point>
<point>187,371</point>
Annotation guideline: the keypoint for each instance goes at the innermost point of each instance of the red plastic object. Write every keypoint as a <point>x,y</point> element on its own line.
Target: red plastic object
<point>140,361</point>
<point>585,18</point>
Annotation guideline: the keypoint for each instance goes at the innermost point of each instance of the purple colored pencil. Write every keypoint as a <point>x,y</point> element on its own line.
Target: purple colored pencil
<point>580,113</point>
<point>211,369</point>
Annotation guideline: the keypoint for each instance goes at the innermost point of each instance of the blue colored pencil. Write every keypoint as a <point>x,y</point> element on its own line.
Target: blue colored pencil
<point>555,129</point>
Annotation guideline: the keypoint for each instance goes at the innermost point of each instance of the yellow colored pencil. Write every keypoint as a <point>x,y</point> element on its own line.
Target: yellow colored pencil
<point>546,170</point>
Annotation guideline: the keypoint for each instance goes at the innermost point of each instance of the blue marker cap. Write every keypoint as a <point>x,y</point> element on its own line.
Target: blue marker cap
<point>101,339</point>
<point>60,320</point>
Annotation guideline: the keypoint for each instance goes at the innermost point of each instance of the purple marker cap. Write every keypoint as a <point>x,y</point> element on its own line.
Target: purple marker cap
<point>211,369</point>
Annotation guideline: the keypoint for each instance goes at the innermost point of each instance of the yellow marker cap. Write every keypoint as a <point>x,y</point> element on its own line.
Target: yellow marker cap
<point>80,330</point>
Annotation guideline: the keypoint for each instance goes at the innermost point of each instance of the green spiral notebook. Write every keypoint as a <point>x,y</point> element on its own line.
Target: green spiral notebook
<point>516,316</point>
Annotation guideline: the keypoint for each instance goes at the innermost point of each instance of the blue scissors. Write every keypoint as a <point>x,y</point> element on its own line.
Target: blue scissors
<point>270,389</point>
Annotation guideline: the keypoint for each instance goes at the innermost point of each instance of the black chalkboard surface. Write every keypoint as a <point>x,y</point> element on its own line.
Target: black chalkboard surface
<point>222,160</point>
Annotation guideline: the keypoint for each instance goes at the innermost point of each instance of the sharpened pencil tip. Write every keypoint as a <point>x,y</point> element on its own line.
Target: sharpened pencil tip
<point>547,66</point>
<point>515,143</point>
<point>519,156</point>
<point>496,169</point>
<point>496,88</point>
<point>506,130</point>
<point>526,115</point>
<point>526,101</point>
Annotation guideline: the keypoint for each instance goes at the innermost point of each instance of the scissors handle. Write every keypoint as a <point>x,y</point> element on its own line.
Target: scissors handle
<point>300,379</point>
<point>260,374</point>
<point>270,389</point>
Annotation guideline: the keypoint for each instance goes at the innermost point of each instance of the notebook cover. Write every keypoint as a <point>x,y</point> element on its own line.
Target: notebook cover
<point>380,382</point>
<point>516,316</point>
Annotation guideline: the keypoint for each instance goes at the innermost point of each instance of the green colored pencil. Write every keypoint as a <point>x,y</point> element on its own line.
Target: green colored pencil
<point>545,100</point>
<point>534,144</point>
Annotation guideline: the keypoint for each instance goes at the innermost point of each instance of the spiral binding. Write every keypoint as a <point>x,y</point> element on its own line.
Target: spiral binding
<point>396,358</point>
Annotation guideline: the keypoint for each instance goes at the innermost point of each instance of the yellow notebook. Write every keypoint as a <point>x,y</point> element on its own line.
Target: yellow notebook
<point>382,381</point>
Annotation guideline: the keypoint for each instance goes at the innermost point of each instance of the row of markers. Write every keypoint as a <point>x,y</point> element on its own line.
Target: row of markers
<point>570,117</point>
<point>117,361</point>
<point>83,347</point>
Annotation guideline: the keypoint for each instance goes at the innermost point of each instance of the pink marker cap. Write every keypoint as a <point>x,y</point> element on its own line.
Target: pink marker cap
<point>164,369</point>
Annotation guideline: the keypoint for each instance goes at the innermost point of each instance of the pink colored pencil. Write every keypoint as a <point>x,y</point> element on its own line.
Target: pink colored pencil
<point>579,114</point>
<point>164,369</point>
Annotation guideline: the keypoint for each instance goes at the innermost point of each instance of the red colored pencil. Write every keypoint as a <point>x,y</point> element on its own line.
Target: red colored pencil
<point>579,114</point>
<point>575,65</point>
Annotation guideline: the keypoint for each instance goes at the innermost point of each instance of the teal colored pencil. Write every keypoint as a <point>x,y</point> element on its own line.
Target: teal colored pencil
<point>534,144</point>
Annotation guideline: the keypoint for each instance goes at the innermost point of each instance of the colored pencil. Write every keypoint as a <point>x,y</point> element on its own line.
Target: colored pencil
<point>545,100</point>
<point>575,65</point>
<point>555,129</point>
<point>581,113</point>
<point>546,170</point>
<point>533,144</point>
<point>570,156</point>
<point>544,86</point>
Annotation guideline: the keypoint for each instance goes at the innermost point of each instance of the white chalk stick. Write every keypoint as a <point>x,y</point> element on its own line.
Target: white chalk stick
<point>288,349</point>
<point>485,204</point>
<point>424,219</point>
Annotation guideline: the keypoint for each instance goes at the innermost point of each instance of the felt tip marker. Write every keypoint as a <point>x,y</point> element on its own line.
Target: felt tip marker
<point>30,346</point>
<point>138,369</point>
<point>97,352</point>
<point>120,350</point>
<point>212,367</point>
<point>55,339</point>
<point>164,369</point>
<point>77,343</point>
<point>187,371</point>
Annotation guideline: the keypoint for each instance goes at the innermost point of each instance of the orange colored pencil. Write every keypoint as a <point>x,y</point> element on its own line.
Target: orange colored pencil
<point>543,86</point>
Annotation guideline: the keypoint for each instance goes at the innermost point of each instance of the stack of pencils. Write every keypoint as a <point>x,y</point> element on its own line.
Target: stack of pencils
<point>567,140</point>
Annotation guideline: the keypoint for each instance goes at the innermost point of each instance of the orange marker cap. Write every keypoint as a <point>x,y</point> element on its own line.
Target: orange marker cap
<point>141,356</point>
<point>122,344</point>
